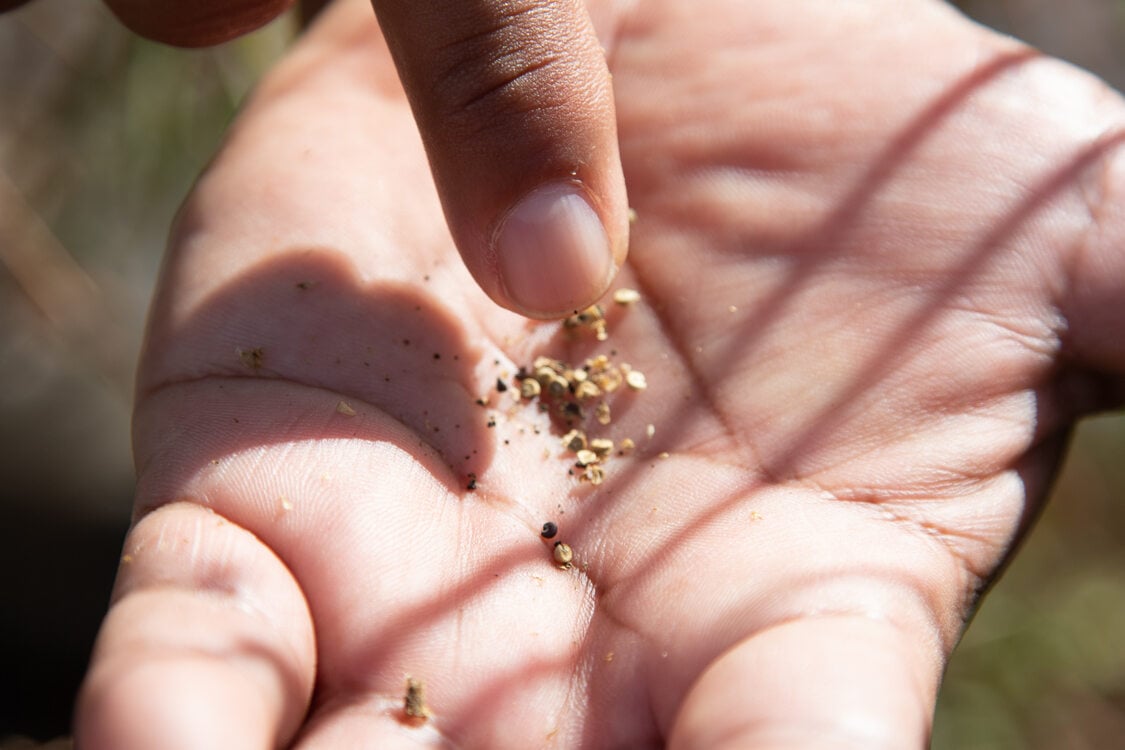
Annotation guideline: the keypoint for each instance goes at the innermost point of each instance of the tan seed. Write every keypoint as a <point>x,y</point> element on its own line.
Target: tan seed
<point>586,390</point>
<point>529,388</point>
<point>575,440</point>
<point>602,447</point>
<point>587,457</point>
<point>563,554</point>
<point>414,704</point>
<point>626,296</point>
<point>601,413</point>
<point>594,474</point>
<point>636,380</point>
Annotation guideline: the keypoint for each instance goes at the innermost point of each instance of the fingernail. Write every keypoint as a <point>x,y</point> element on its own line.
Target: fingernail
<point>552,252</point>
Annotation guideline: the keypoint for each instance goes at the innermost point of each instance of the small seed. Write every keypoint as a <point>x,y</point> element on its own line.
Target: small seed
<point>626,447</point>
<point>586,457</point>
<point>558,386</point>
<point>529,388</point>
<point>575,440</point>
<point>636,380</point>
<point>586,390</point>
<point>414,704</point>
<point>626,296</point>
<point>650,431</point>
<point>549,530</point>
<point>601,413</point>
<point>563,554</point>
<point>501,386</point>
<point>594,474</point>
<point>601,446</point>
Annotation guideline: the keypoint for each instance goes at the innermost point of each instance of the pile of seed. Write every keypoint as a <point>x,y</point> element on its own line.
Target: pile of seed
<point>572,394</point>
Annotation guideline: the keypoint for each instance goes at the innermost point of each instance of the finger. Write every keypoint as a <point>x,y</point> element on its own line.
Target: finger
<point>514,105</point>
<point>831,682</point>
<point>195,24</point>
<point>208,642</point>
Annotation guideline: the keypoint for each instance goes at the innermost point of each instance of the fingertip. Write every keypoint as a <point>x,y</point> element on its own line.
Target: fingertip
<point>172,703</point>
<point>208,643</point>
<point>195,24</point>
<point>553,255</point>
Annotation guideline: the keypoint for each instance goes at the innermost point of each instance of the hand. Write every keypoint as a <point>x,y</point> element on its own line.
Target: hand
<point>879,252</point>
<point>514,104</point>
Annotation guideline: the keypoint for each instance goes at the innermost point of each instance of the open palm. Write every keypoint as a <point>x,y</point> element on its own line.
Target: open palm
<point>877,287</point>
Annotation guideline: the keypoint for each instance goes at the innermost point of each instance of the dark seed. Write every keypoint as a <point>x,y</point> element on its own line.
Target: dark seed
<point>501,386</point>
<point>550,529</point>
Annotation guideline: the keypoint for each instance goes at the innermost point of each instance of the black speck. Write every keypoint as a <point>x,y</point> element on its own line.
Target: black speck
<point>549,530</point>
<point>426,277</point>
<point>491,422</point>
<point>507,441</point>
<point>501,386</point>
<point>437,356</point>
<point>472,485</point>
<point>406,342</point>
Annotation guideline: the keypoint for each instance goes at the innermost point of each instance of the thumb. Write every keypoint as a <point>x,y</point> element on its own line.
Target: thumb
<point>514,104</point>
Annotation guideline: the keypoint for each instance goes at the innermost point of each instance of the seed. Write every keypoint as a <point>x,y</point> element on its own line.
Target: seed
<point>601,413</point>
<point>587,457</point>
<point>626,296</point>
<point>345,408</point>
<point>558,386</point>
<point>414,704</point>
<point>602,447</point>
<point>575,440</point>
<point>636,380</point>
<point>650,431</point>
<point>586,390</point>
<point>563,554</point>
<point>501,386</point>
<point>529,388</point>
<point>626,446</point>
<point>545,375</point>
<point>549,530</point>
<point>594,474</point>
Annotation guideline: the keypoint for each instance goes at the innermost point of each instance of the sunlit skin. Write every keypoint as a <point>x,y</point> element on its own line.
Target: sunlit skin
<point>879,251</point>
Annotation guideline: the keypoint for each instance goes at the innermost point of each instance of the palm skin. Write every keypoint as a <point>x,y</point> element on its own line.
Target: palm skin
<point>860,266</point>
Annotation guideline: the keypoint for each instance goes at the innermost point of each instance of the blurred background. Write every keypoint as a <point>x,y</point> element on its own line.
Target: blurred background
<point>102,133</point>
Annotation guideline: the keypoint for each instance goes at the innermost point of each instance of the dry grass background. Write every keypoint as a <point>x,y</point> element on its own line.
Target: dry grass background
<point>100,136</point>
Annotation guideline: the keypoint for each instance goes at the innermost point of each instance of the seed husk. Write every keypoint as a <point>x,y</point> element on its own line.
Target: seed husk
<point>529,388</point>
<point>625,296</point>
<point>414,704</point>
<point>594,474</point>
<point>575,440</point>
<point>635,379</point>
<point>587,457</point>
<point>563,554</point>
<point>602,447</point>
